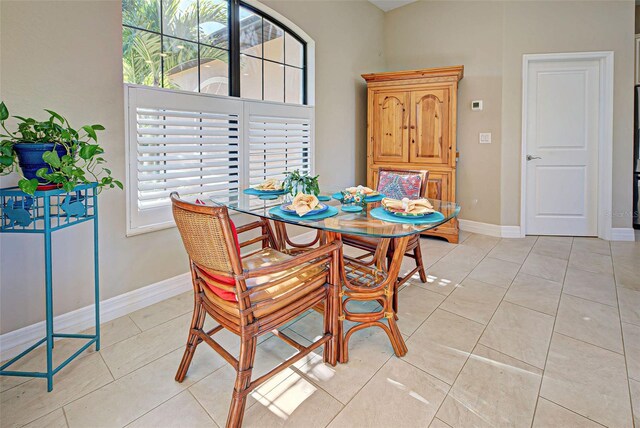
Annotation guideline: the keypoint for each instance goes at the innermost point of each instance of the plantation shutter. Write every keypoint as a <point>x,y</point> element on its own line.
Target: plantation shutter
<point>201,146</point>
<point>279,140</point>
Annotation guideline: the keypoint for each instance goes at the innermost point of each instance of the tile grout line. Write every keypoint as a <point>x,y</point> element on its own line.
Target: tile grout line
<point>435,415</point>
<point>392,354</point>
<point>487,325</point>
<point>624,349</point>
<point>555,318</point>
<point>188,390</point>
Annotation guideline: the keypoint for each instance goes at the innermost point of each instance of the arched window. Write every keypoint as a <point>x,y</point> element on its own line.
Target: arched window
<point>222,47</point>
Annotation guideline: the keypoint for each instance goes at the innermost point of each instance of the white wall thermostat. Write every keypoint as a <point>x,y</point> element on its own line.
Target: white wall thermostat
<point>476,105</point>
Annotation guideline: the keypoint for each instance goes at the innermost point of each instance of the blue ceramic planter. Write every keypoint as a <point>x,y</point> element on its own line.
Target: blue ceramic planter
<point>30,157</point>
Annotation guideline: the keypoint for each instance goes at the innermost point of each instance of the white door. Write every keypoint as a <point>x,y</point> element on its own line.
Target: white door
<point>562,107</point>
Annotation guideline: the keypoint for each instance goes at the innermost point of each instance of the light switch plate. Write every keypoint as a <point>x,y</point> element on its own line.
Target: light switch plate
<point>485,138</point>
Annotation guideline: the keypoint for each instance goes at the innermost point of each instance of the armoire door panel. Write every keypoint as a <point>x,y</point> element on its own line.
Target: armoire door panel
<point>391,127</point>
<point>439,186</point>
<point>430,126</point>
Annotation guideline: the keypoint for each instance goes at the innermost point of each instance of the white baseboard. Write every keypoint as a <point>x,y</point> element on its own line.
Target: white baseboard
<point>14,342</point>
<point>489,229</point>
<point>623,234</point>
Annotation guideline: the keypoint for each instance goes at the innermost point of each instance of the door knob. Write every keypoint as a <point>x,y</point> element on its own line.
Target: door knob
<point>529,157</point>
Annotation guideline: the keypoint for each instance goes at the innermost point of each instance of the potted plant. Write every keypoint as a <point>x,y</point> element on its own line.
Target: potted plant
<point>51,152</point>
<point>295,183</point>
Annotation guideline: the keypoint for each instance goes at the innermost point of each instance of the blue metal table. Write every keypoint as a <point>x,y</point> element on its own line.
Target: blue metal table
<point>46,212</point>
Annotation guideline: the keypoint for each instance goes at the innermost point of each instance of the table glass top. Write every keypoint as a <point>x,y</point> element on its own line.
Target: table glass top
<point>360,223</point>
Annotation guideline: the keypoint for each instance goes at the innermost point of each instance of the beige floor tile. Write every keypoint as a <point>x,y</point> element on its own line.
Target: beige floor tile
<point>589,321</point>
<point>30,401</point>
<point>627,272</point>
<point>131,354</point>
<point>535,293</point>
<point>310,327</point>
<point>631,334</point>
<point>513,250</point>
<point>415,304</point>
<point>551,268</point>
<point>484,242</point>
<point>163,311</point>
<point>495,272</point>
<point>634,386</point>
<point>466,256</point>
<point>442,344</point>
<point>55,419</point>
<point>110,332</point>
<point>474,300</point>
<point>493,389</point>
<point>137,393</point>
<point>294,402</point>
<point>550,415</point>
<point>180,411</point>
<point>591,262</point>
<point>520,333</point>
<point>553,246</point>
<point>437,423</point>
<point>598,287</point>
<point>463,235</point>
<point>594,245</point>
<point>404,396</point>
<point>444,277</point>
<point>214,393</point>
<point>588,380</point>
<point>369,349</point>
<point>629,302</point>
<point>114,331</point>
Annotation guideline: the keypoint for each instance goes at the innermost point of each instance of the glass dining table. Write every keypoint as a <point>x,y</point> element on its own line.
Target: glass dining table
<point>368,278</point>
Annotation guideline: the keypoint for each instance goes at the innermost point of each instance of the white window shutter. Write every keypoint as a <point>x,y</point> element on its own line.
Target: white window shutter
<point>279,139</point>
<point>203,145</point>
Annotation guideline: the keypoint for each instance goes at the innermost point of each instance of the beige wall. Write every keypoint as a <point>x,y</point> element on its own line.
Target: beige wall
<point>76,69</point>
<point>432,34</point>
<point>489,39</point>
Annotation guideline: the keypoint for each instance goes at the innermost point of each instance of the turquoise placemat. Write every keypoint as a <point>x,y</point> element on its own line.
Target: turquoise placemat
<point>330,212</point>
<point>381,214</point>
<point>369,199</point>
<point>252,191</point>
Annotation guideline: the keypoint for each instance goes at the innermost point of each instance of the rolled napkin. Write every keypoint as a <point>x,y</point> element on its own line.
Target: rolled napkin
<point>304,203</point>
<point>417,206</point>
<point>367,191</point>
<point>270,184</point>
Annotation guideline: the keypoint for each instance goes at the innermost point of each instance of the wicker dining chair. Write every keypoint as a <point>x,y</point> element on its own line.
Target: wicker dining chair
<point>397,184</point>
<point>253,294</point>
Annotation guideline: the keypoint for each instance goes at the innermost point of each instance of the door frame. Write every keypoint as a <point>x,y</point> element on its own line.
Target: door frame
<point>605,135</point>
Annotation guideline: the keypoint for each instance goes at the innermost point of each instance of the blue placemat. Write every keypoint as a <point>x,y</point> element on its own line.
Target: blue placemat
<point>338,196</point>
<point>252,191</point>
<point>381,214</point>
<point>330,212</point>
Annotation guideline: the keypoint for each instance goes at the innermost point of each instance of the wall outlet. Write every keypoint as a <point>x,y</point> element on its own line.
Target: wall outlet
<point>485,138</point>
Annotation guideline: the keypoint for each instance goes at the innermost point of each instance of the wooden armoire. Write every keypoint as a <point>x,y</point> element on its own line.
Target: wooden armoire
<point>411,124</point>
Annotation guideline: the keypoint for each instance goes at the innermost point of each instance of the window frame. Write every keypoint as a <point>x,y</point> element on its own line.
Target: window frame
<point>233,49</point>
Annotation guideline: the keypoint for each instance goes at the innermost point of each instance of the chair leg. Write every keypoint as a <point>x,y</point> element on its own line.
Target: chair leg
<point>243,380</point>
<point>197,322</point>
<point>417,252</point>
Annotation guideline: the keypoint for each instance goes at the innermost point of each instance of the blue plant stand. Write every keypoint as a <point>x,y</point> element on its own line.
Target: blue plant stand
<point>46,212</point>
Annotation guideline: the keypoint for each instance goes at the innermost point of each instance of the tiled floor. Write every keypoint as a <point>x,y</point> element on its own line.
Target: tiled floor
<point>541,332</point>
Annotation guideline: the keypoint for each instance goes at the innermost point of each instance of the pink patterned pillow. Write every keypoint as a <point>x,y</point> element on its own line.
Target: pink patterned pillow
<point>398,186</point>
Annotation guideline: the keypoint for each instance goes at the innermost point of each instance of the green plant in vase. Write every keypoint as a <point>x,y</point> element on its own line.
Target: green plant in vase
<point>296,182</point>
<point>52,152</point>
